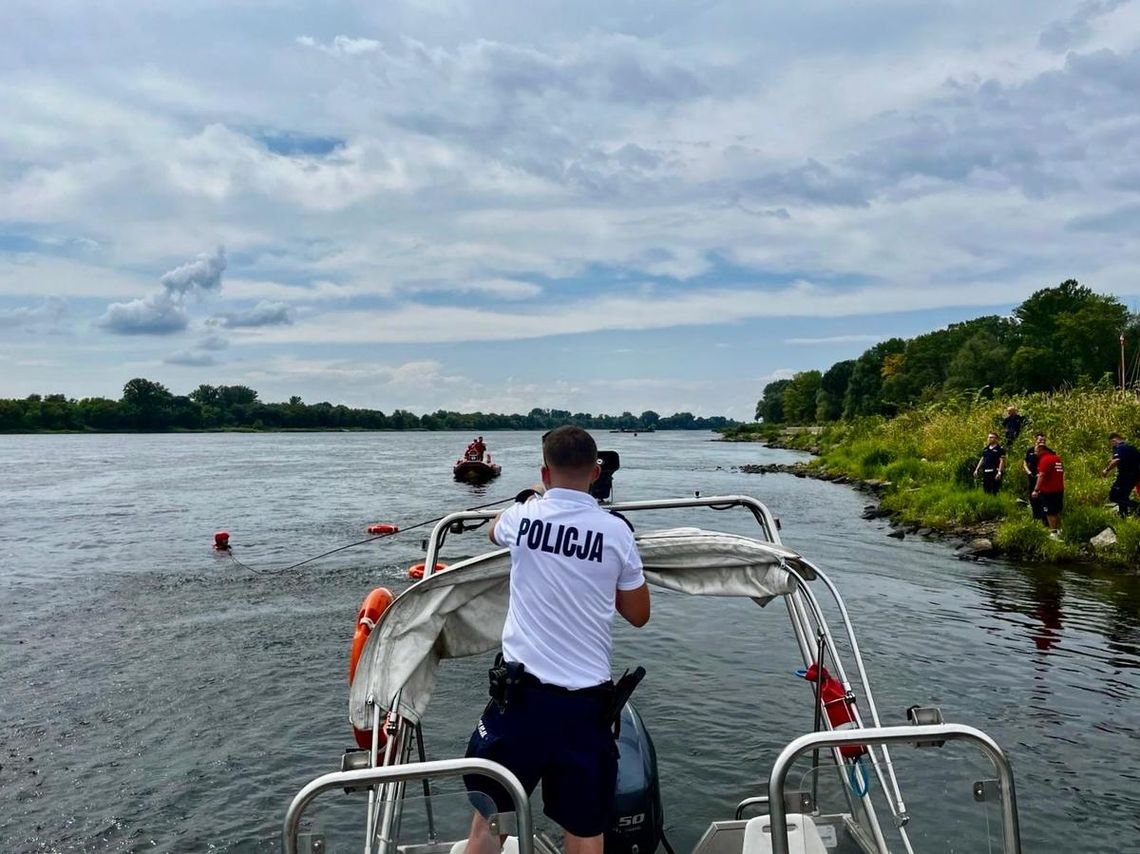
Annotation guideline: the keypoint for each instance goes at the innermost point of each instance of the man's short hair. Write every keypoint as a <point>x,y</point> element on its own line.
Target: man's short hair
<point>569,448</point>
<point>1115,436</point>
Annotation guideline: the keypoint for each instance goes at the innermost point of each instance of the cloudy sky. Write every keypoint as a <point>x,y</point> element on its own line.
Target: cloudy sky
<point>593,205</point>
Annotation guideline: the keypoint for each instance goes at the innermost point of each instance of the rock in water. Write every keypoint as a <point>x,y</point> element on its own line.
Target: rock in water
<point>981,547</point>
<point>1104,539</point>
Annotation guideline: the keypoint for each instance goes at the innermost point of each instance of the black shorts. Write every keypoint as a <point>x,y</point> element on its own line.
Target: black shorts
<point>561,738</point>
<point>1052,503</point>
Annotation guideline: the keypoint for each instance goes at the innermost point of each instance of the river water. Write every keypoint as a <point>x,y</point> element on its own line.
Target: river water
<point>155,696</point>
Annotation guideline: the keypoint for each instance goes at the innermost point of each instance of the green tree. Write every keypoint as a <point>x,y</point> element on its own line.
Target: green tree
<point>207,395</point>
<point>99,413</point>
<point>146,404</point>
<point>11,415</point>
<point>981,361</point>
<point>832,388</point>
<point>800,397</point>
<point>1033,368</point>
<point>1089,338</point>
<point>770,408</point>
<point>864,389</point>
<point>236,395</point>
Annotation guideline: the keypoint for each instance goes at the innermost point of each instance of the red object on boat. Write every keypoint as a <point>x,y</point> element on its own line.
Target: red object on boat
<point>383,529</point>
<point>838,706</point>
<point>416,572</point>
<point>371,610</point>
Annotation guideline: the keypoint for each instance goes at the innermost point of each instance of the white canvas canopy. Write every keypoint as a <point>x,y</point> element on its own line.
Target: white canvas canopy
<point>461,612</point>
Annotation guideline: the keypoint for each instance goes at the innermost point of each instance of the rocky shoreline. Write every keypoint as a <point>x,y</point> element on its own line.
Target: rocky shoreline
<point>975,542</point>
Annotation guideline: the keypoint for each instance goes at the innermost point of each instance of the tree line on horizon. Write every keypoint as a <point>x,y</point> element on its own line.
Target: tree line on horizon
<point>1061,337</point>
<point>148,406</point>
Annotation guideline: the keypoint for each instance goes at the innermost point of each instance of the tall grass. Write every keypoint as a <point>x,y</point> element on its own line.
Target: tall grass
<point>928,455</point>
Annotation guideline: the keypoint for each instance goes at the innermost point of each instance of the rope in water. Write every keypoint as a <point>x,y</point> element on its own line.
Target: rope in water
<point>277,571</point>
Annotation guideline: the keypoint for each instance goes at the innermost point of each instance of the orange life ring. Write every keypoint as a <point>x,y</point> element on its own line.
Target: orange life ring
<point>417,572</point>
<point>373,607</point>
<point>383,529</point>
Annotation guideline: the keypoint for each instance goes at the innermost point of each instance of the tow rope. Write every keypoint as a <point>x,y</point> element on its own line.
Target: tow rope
<point>276,571</point>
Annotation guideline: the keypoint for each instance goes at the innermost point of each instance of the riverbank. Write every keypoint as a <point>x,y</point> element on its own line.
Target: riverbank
<point>919,466</point>
<point>970,541</point>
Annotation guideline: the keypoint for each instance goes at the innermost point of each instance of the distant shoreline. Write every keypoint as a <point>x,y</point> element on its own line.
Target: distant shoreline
<point>184,431</point>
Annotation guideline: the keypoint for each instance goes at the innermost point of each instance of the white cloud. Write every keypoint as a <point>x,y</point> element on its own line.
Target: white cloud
<point>265,313</point>
<point>415,323</point>
<point>164,312</point>
<point>493,173</point>
<point>45,314</point>
<point>157,314</point>
<point>198,277</point>
<point>191,358</point>
<point>341,45</point>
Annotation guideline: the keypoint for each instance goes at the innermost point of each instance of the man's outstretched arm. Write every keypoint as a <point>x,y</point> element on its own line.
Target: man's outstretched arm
<point>633,605</point>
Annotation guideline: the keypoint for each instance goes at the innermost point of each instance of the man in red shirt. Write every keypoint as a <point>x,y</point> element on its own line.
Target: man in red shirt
<point>1050,488</point>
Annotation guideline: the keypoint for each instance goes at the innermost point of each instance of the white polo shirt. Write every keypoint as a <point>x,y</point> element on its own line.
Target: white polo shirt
<point>568,559</point>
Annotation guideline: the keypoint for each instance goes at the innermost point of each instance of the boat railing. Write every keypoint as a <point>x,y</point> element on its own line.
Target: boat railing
<point>763,516</point>
<point>397,774</point>
<point>810,629</point>
<point>777,811</point>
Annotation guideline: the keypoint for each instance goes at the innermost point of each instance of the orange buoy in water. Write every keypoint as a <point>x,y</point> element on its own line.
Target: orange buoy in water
<point>417,571</point>
<point>373,607</point>
<point>222,541</point>
<point>383,529</point>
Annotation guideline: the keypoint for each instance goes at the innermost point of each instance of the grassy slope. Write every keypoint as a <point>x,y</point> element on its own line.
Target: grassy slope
<point>928,455</point>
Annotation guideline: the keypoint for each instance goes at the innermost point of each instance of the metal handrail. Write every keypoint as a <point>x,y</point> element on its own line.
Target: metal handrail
<point>404,773</point>
<point>762,514</point>
<point>883,735</point>
<point>758,801</point>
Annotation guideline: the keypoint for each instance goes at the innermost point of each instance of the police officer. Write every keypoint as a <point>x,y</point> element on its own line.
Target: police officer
<point>572,565</point>
<point>1126,461</point>
<point>991,465</point>
<point>1029,465</point>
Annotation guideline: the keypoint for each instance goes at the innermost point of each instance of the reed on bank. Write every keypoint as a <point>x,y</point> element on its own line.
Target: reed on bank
<point>927,456</point>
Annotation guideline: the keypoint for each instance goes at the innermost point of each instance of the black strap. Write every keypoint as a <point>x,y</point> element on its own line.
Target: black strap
<point>627,522</point>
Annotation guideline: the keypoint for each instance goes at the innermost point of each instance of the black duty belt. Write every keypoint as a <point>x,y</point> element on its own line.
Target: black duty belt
<point>602,689</point>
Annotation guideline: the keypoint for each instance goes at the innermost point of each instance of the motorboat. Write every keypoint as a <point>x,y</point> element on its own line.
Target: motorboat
<point>476,470</point>
<point>834,787</point>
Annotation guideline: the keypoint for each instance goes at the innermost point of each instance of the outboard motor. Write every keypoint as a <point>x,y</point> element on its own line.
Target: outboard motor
<point>638,820</point>
<point>603,486</point>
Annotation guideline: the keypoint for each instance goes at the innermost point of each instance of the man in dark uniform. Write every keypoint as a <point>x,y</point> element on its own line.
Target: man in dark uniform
<point>573,566</point>
<point>1030,467</point>
<point>991,465</point>
<point>1126,461</point>
<point>1012,424</point>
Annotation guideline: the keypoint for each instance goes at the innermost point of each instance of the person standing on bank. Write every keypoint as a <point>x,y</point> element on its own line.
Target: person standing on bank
<point>1126,461</point>
<point>991,465</point>
<point>1050,488</point>
<point>572,566</point>
<point>1012,424</point>
<point>1029,464</point>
